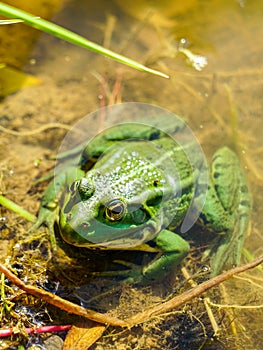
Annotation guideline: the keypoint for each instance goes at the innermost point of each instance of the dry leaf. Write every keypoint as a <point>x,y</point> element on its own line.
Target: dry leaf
<point>83,335</point>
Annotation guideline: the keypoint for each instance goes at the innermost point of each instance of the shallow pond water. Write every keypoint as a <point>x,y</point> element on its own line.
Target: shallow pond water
<point>221,101</point>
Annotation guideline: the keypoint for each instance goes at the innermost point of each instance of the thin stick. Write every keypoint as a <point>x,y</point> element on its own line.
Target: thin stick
<point>190,294</point>
<point>140,317</point>
<point>62,303</point>
<point>36,131</point>
<point>45,329</point>
<point>236,306</point>
<point>205,300</point>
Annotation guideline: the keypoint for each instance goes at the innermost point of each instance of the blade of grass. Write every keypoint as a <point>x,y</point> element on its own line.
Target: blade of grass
<point>65,34</point>
<point>10,21</point>
<point>7,203</point>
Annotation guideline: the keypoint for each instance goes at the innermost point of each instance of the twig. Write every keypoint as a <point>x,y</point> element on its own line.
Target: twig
<point>140,317</point>
<point>229,314</point>
<point>36,131</point>
<point>190,294</point>
<point>62,303</point>
<point>205,300</point>
<point>45,329</point>
<point>235,306</point>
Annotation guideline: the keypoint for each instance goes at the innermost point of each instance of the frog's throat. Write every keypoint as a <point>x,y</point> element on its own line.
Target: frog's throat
<point>129,239</point>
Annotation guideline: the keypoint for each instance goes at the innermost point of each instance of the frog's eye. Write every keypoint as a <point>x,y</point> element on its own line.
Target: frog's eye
<point>84,187</point>
<point>115,210</point>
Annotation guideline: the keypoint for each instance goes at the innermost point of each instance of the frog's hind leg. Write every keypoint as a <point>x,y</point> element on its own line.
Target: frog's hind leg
<point>173,250</point>
<point>227,210</point>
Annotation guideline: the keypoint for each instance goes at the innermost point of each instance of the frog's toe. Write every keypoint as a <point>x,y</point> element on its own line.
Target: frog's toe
<point>223,254</point>
<point>133,273</point>
<point>36,226</point>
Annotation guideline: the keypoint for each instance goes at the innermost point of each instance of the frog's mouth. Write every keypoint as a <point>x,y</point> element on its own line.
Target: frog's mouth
<point>101,236</point>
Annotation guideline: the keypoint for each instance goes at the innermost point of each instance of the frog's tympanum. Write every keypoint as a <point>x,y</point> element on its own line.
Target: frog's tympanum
<point>131,189</point>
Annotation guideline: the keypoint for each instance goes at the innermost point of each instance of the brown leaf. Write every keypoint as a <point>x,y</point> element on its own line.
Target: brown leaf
<point>83,335</point>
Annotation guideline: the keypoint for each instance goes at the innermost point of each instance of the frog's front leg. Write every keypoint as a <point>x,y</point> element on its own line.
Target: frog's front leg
<point>226,210</point>
<point>49,207</point>
<point>173,250</point>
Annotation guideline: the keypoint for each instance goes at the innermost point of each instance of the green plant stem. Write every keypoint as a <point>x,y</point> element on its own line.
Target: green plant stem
<point>250,258</point>
<point>7,203</point>
<point>65,34</point>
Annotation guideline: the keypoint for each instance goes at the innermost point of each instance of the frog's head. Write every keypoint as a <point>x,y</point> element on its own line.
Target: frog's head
<point>112,212</point>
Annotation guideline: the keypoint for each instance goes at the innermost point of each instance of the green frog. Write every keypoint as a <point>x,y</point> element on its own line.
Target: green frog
<point>131,187</point>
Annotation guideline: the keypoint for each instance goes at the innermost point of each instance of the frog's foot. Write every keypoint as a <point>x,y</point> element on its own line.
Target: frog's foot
<point>172,250</point>
<point>47,217</point>
<point>133,274</point>
<point>225,251</point>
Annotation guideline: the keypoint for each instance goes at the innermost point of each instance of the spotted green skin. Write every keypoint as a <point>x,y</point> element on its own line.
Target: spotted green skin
<point>137,170</point>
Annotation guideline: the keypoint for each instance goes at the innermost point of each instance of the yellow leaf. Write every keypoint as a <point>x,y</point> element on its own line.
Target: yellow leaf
<point>12,79</point>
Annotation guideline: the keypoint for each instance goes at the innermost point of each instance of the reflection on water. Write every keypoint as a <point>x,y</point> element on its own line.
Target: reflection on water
<point>221,102</point>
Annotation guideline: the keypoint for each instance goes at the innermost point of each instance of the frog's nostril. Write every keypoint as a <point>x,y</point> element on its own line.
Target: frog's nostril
<point>85,225</point>
<point>69,217</point>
